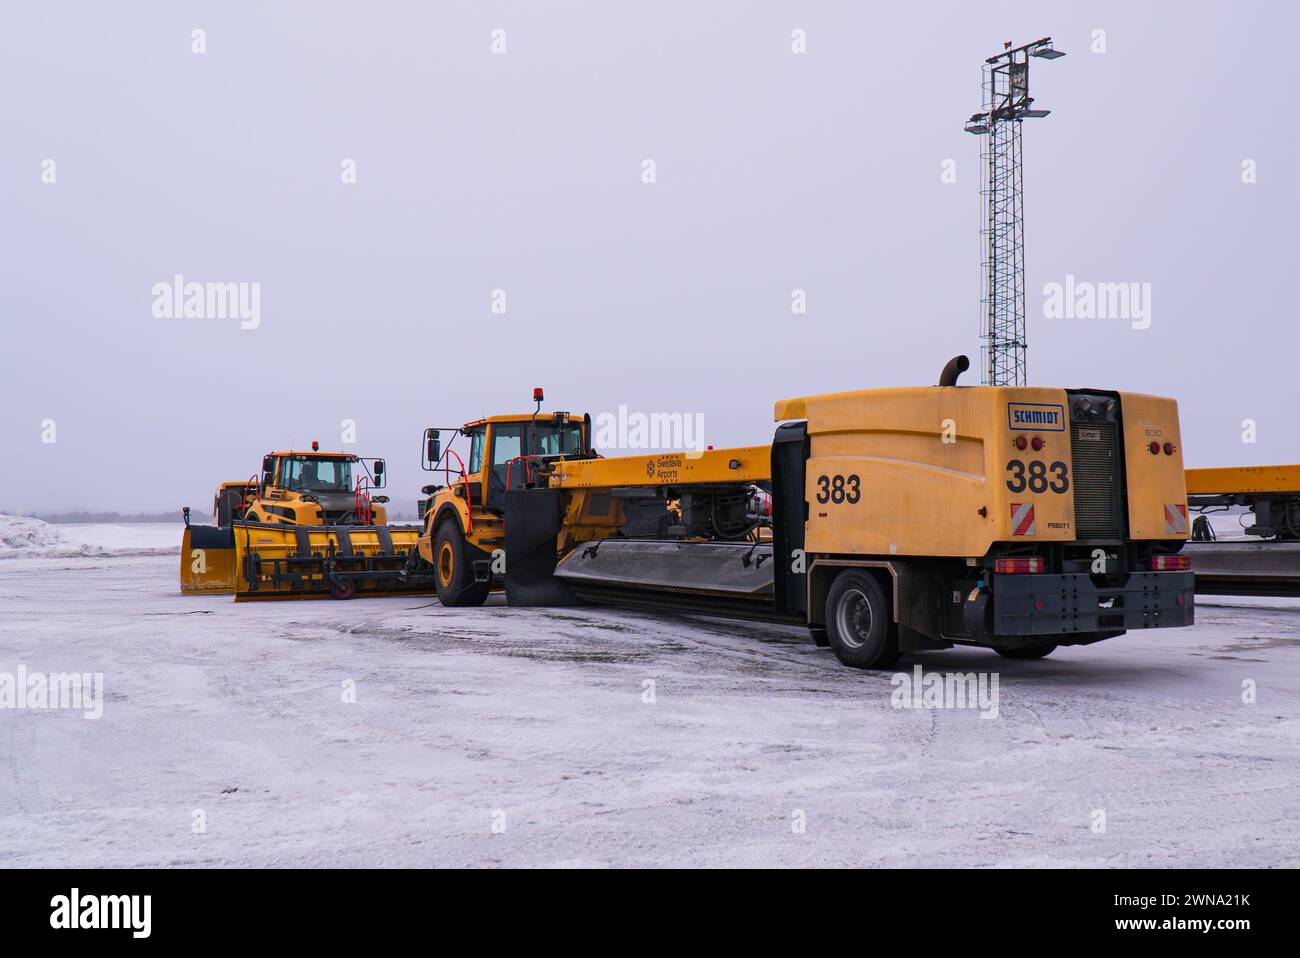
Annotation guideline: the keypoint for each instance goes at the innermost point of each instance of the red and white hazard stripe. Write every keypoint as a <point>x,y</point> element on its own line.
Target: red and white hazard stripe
<point>1176,519</point>
<point>1022,519</point>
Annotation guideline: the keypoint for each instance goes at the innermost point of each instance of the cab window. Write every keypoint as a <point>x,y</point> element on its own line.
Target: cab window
<point>318,475</point>
<point>507,443</point>
<point>556,440</point>
<point>475,450</point>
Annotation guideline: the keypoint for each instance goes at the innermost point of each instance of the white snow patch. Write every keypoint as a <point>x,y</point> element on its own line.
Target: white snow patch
<point>23,537</point>
<point>536,720</point>
<point>26,535</point>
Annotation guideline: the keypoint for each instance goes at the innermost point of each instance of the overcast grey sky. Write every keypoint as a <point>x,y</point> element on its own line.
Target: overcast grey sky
<point>522,171</point>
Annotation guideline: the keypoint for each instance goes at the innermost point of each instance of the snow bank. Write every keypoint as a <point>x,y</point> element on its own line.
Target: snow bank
<point>19,534</point>
<point>22,537</point>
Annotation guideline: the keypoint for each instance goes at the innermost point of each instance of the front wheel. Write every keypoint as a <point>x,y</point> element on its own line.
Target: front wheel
<point>858,624</point>
<point>452,573</point>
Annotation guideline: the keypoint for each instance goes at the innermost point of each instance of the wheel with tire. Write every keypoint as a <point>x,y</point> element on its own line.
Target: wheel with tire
<point>343,589</point>
<point>858,624</point>
<point>453,575</point>
<point>1028,651</point>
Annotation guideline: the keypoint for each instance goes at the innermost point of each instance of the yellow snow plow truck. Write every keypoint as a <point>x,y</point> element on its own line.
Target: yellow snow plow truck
<point>885,520</point>
<point>311,525</point>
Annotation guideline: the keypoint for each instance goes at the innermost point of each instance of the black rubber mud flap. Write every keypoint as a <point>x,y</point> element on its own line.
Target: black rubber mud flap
<point>532,520</point>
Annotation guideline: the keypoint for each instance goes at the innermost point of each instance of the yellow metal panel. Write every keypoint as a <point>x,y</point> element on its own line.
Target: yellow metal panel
<point>206,570</point>
<point>1239,479</point>
<point>281,540</point>
<point>789,409</point>
<point>753,464</point>
<point>1154,481</point>
<point>932,470</point>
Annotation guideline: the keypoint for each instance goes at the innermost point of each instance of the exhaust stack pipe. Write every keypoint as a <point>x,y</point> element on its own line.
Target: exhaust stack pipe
<point>956,366</point>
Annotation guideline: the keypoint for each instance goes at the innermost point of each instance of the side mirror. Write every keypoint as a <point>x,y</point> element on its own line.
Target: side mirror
<point>379,473</point>
<point>433,448</point>
<point>268,464</point>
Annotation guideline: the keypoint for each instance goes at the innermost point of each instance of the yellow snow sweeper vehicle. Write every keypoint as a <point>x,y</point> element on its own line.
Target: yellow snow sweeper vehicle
<point>309,526</point>
<point>884,520</point>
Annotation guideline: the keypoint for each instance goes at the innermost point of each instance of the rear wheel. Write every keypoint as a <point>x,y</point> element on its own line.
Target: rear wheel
<point>858,624</point>
<point>452,573</point>
<point>1029,651</point>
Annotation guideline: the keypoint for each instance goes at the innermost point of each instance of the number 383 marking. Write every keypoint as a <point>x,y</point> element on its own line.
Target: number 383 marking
<point>839,489</point>
<point>1034,476</point>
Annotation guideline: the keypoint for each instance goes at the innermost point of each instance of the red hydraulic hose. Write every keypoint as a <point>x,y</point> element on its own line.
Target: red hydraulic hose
<point>469,505</point>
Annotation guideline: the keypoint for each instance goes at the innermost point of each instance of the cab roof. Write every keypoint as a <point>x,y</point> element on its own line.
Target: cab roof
<point>317,455</point>
<point>575,418</point>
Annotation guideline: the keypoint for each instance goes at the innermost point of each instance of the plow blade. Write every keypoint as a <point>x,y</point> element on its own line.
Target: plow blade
<point>1245,568</point>
<point>298,562</point>
<point>709,578</point>
<point>208,560</point>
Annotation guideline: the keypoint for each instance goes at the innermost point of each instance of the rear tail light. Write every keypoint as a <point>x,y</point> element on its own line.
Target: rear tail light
<point>1028,564</point>
<point>1169,449</point>
<point>1171,563</point>
<point>1155,448</point>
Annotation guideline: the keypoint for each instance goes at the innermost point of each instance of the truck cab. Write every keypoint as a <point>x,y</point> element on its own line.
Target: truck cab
<point>317,488</point>
<point>463,516</point>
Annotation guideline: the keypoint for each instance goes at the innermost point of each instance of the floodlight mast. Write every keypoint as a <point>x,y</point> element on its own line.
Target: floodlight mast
<point>1006,103</point>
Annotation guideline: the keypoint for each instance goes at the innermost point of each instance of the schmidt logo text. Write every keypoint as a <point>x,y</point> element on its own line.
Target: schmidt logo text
<point>1037,416</point>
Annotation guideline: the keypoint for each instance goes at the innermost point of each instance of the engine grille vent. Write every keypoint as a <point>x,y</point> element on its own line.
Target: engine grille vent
<point>1098,492</point>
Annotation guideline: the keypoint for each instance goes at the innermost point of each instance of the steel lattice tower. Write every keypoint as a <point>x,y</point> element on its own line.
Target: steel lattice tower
<point>1007,104</point>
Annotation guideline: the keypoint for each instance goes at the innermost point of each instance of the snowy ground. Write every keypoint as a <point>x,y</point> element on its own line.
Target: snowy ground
<point>536,721</point>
